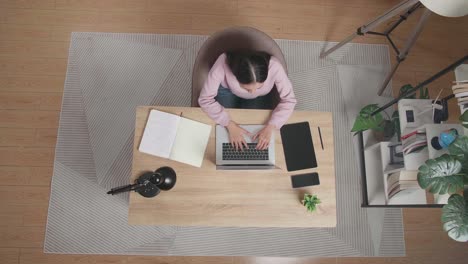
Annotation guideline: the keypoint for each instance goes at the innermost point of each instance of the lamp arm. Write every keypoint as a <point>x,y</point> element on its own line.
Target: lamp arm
<point>126,188</point>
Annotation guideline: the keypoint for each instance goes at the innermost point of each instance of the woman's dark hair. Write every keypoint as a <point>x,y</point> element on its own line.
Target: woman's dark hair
<point>249,66</point>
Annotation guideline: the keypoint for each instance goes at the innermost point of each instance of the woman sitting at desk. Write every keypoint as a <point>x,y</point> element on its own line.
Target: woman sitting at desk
<point>244,79</point>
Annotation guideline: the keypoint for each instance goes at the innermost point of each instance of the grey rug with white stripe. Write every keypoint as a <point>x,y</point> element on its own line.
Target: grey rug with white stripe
<point>110,74</point>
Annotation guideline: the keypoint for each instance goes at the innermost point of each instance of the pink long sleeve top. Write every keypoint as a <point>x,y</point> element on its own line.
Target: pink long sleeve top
<point>221,74</point>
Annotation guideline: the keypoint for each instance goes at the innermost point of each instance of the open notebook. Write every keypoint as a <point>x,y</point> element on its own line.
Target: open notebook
<point>174,137</point>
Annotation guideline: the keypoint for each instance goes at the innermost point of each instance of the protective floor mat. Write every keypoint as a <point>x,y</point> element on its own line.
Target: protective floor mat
<point>110,74</point>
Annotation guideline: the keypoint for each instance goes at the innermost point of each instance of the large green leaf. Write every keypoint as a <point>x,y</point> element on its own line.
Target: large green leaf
<point>441,175</point>
<point>455,217</point>
<point>459,148</point>
<point>464,119</point>
<point>368,110</point>
<point>365,121</point>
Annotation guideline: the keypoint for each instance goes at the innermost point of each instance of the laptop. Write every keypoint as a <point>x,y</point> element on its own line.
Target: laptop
<point>228,158</point>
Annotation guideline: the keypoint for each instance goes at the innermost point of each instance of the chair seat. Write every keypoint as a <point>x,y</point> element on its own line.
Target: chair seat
<point>230,39</point>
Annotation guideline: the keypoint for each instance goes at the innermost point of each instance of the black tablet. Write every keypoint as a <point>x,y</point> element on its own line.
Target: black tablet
<point>298,146</point>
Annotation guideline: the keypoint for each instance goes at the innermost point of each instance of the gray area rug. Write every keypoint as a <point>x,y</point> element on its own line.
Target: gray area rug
<point>110,74</point>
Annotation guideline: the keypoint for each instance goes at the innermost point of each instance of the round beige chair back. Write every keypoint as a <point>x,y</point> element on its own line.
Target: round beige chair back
<point>226,40</point>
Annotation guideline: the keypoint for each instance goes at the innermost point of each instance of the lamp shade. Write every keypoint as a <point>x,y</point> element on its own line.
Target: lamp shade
<point>448,8</point>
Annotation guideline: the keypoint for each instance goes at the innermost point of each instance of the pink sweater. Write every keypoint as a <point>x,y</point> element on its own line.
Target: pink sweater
<point>220,73</point>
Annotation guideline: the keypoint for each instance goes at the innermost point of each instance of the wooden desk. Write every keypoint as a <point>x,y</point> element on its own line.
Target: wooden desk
<point>258,198</point>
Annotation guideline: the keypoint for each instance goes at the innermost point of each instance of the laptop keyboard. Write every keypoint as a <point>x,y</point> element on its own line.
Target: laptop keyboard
<point>230,152</point>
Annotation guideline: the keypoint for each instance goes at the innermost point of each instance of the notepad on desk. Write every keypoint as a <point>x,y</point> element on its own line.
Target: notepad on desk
<point>174,137</point>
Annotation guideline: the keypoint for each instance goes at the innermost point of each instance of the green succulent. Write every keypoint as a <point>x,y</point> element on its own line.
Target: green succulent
<point>310,202</point>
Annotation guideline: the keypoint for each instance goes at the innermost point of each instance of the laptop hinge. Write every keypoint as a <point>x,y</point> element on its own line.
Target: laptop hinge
<point>245,167</point>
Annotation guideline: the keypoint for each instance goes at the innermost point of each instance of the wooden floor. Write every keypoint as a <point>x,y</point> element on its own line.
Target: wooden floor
<point>34,38</point>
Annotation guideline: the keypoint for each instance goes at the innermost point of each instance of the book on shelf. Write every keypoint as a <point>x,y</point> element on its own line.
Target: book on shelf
<point>412,133</point>
<point>400,181</point>
<point>416,147</point>
<point>462,94</point>
<point>459,86</point>
<point>462,99</point>
<point>419,136</point>
<point>461,90</point>
<point>414,141</point>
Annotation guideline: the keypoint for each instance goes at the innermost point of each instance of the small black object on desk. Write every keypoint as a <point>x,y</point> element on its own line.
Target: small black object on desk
<point>150,184</point>
<point>320,135</point>
<point>299,152</point>
<point>304,180</point>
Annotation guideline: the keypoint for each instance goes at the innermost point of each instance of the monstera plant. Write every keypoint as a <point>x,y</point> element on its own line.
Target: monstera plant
<point>448,174</point>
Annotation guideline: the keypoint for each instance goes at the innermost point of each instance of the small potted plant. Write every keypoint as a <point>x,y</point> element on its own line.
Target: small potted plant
<point>310,202</point>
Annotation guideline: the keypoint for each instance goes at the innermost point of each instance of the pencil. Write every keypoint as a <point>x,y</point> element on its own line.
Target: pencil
<point>320,135</point>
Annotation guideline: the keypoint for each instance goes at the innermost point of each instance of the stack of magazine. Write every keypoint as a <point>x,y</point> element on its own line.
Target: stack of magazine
<point>460,90</point>
<point>414,141</point>
<point>401,181</point>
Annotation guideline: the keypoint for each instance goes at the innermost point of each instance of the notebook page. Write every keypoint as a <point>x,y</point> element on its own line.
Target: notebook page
<point>190,143</point>
<point>159,135</point>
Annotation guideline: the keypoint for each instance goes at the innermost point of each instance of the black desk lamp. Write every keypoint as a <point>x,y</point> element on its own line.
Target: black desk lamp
<point>150,184</point>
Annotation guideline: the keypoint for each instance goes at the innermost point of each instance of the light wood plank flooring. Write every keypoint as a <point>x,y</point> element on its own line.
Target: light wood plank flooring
<point>34,40</point>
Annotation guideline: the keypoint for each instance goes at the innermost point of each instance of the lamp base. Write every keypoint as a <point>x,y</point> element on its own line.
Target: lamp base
<point>150,189</point>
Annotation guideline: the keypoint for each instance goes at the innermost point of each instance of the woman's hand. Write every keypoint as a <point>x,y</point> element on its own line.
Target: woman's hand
<point>236,135</point>
<point>264,136</point>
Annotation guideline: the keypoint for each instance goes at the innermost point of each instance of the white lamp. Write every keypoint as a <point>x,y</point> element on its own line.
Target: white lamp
<point>448,8</point>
